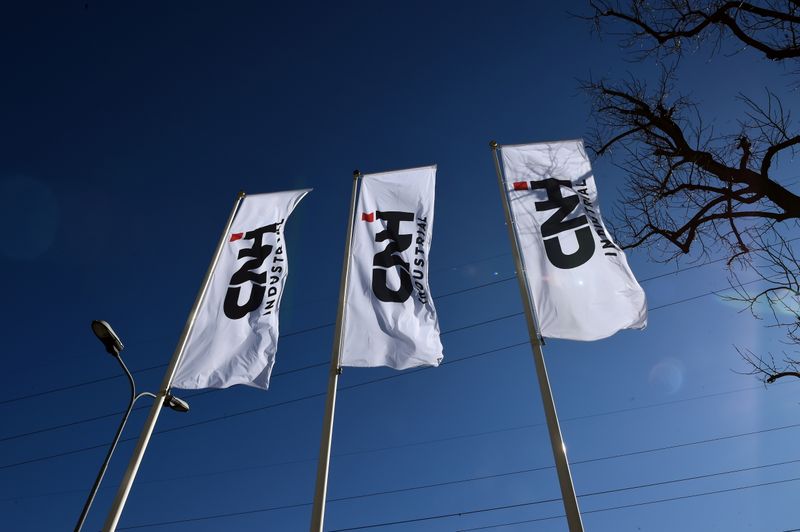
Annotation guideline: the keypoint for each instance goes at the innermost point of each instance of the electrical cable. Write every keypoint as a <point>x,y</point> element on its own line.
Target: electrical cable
<point>302,331</point>
<point>318,327</point>
<point>564,419</point>
<point>140,407</point>
<point>520,505</point>
<point>203,392</point>
<point>373,381</point>
<point>320,364</point>
<point>624,506</point>
<point>575,462</point>
<point>76,385</point>
<point>285,335</point>
<point>257,409</point>
<point>494,508</point>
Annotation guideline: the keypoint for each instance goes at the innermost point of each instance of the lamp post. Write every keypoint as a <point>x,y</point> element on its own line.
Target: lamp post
<point>114,346</point>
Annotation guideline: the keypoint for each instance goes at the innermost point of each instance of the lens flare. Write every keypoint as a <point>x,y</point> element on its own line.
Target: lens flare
<point>667,375</point>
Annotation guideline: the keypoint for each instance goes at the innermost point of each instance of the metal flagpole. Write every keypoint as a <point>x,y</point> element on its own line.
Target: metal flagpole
<point>321,490</point>
<point>556,441</point>
<point>133,466</point>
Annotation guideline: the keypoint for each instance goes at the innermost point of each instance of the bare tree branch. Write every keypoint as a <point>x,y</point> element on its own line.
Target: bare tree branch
<point>770,28</point>
<point>696,190</point>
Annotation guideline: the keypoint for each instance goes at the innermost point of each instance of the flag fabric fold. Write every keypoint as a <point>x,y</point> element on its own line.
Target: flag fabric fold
<point>389,318</point>
<point>235,335</point>
<point>580,281</point>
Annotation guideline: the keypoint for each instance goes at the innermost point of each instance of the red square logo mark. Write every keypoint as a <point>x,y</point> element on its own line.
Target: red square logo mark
<point>367,216</point>
<point>521,185</point>
<point>236,236</point>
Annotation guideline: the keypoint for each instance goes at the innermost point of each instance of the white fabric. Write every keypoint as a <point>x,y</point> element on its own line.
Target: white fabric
<point>235,336</point>
<point>579,279</point>
<point>389,315</point>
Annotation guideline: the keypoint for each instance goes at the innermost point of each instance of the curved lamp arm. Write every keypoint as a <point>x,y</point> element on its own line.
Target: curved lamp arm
<point>102,472</point>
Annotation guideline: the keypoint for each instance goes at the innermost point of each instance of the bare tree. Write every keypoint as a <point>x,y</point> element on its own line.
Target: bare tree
<point>770,26</point>
<point>777,298</point>
<point>691,188</point>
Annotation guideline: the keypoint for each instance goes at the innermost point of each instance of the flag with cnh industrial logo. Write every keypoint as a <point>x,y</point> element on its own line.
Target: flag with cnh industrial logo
<point>235,335</point>
<point>580,281</point>
<point>389,317</point>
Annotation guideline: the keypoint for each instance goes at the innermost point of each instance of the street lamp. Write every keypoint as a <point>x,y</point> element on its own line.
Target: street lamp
<point>114,347</point>
<point>176,403</point>
<point>106,334</point>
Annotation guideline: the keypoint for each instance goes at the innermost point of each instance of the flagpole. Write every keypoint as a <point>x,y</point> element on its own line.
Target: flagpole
<point>133,466</point>
<point>556,441</point>
<point>323,464</point>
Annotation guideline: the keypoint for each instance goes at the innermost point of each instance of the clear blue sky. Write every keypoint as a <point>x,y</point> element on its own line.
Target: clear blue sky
<point>126,133</point>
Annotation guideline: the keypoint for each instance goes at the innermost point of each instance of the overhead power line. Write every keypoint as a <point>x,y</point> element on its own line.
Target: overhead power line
<point>471,435</point>
<point>464,481</point>
<point>624,506</point>
<point>311,366</point>
<point>434,270</point>
<point>203,392</point>
<point>259,409</point>
<point>531,503</point>
<point>492,257</point>
<point>72,386</point>
<point>576,462</point>
<point>492,320</point>
<point>135,372</point>
<point>142,407</point>
<point>284,335</point>
<point>423,442</point>
<point>700,265</point>
<point>318,327</point>
<point>325,325</point>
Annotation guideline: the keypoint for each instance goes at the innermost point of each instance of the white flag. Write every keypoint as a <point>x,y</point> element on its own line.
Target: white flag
<point>389,317</point>
<point>235,335</point>
<point>579,278</point>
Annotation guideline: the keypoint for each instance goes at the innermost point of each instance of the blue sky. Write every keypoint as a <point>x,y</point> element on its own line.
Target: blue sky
<point>128,130</point>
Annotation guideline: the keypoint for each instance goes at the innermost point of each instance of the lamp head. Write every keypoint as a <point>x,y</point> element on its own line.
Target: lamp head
<point>176,403</point>
<point>106,334</point>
